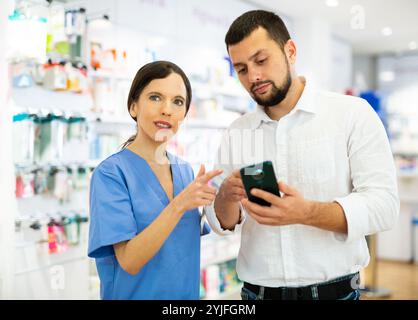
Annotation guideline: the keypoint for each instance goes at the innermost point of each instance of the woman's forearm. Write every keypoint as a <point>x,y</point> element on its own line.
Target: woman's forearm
<point>132,255</point>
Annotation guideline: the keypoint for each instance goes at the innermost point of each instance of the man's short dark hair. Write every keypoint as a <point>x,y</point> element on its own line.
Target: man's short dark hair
<point>248,22</point>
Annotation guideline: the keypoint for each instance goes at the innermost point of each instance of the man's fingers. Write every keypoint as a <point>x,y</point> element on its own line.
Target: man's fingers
<point>236,182</point>
<point>238,191</point>
<point>257,209</point>
<point>263,220</point>
<point>269,197</point>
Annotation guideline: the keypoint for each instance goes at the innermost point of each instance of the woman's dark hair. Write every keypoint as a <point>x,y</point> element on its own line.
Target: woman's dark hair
<point>248,22</point>
<point>152,71</point>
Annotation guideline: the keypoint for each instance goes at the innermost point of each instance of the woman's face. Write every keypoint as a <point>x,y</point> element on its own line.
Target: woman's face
<point>161,107</point>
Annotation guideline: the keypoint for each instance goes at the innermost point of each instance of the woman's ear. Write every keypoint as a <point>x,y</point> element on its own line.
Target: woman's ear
<point>133,110</point>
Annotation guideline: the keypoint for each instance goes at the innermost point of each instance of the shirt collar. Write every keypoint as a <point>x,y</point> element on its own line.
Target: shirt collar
<point>306,104</point>
<point>306,101</point>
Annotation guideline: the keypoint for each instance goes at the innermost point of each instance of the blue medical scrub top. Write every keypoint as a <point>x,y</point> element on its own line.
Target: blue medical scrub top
<point>125,198</point>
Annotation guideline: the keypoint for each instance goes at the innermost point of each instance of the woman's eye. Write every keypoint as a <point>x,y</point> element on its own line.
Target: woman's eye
<point>179,102</point>
<point>154,98</point>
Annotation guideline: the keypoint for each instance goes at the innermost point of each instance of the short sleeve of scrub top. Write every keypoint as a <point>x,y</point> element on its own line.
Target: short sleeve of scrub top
<point>112,218</point>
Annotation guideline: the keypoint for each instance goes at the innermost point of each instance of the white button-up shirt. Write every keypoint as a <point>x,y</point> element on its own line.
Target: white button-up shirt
<point>330,147</point>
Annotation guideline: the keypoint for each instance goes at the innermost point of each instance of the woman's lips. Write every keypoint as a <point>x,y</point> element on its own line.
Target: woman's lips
<point>162,125</point>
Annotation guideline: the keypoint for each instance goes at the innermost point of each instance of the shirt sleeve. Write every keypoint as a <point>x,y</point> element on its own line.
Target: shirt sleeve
<point>373,204</point>
<point>111,215</point>
<point>223,160</point>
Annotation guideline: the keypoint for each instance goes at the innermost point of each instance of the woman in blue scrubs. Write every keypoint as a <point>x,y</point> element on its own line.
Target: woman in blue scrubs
<point>145,224</point>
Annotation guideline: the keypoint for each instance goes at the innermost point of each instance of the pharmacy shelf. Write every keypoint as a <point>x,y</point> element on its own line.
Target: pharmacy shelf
<point>37,97</point>
<point>98,118</point>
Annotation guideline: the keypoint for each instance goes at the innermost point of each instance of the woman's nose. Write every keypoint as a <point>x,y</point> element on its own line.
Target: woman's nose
<point>166,108</point>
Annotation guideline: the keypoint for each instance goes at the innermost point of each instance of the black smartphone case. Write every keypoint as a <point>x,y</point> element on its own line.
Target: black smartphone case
<point>260,176</point>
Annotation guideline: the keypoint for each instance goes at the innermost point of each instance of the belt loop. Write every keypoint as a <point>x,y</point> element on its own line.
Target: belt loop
<point>283,293</point>
<point>261,293</point>
<point>314,292</point>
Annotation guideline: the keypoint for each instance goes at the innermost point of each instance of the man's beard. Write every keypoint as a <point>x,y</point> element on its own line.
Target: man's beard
<point>277,94</point>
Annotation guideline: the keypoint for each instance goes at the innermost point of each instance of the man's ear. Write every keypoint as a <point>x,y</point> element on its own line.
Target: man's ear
<point>290,51</point>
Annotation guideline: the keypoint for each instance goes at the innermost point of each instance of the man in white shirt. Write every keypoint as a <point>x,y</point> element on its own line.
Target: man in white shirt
<point>332,157</point>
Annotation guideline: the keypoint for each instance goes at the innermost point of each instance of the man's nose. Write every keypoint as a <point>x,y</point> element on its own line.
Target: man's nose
<point>254,75</point>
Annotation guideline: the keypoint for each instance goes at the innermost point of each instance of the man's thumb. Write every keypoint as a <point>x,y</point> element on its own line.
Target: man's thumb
<point>286,189</point>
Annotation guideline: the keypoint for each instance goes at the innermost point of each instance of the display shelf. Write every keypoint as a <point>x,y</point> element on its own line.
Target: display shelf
<point>50,265</point>
<point>109,119</point>
<point>44,259</point>
<point>36,97</point>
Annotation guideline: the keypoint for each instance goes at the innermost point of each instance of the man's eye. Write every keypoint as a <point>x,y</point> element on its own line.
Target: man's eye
<point>241,71</point>
<point>261,61</point>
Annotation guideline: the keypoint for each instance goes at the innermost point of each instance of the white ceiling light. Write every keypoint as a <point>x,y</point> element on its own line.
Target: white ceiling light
<point>387,31</point>
<point>332,3</point>
<point>413,45</point>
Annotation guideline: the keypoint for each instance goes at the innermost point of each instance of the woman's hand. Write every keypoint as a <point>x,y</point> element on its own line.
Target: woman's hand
<point>198,193</point>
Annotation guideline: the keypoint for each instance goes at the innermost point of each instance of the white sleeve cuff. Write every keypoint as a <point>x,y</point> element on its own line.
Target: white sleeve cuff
<point>357,218</point>
<point>214,223</point>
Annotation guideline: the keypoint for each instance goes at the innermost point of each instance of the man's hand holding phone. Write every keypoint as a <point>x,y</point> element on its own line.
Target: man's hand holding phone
<point>265,203</point>
<point>292,208</point>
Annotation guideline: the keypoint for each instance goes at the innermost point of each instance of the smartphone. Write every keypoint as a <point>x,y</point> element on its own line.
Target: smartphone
<point>260,176</point>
